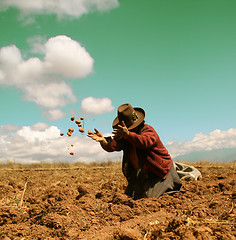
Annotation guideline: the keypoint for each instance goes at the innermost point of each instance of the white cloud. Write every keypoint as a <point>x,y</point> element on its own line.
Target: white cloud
<point>2,76</point>
<point>31,136</point>
<point>67,57</point>
<point>43,143</point>
<point>7,129</point>
<point>17,72</point>
<point>54,114</point>
<point>50,95</point>
<point>95,106</point>
<point>29,71</point>
<point>43,81</point>
<point>10,56</point>
<point>217,139</point>
<point>73,8</point>
<point>40,126</point>
<point>10,59</point>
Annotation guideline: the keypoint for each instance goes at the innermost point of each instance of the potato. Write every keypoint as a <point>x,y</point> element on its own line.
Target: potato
<point>70,130</point>
<point>81,130</point>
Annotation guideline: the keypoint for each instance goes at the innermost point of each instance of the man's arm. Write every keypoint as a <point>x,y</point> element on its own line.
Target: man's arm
<point>107,143</point>
<point>148,138</point>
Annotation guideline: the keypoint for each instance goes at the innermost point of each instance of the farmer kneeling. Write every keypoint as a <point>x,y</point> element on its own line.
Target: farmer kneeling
<point>146,163</point>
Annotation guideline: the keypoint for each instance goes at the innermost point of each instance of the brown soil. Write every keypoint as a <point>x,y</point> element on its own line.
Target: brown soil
<point>89,203</point>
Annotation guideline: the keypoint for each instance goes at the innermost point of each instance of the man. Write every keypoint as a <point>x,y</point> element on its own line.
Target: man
<point>146,163</point>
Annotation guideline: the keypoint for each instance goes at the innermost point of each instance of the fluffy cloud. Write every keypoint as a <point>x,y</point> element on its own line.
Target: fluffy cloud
<point>217,139</point>
<point>7,129</point>
<point>95,106</point>
<point>43,143</point>
<point>10,59</point>
<point>43,81</point>
<point>10,56</point>
<point>32,136</point>
<point>54,114</point>
<point>73,8</point>
<point>50,95</point>
<point>67,57</point>
<point>39,126</point>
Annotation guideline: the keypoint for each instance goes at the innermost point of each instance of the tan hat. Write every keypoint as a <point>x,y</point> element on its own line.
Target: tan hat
<point>131,116</point>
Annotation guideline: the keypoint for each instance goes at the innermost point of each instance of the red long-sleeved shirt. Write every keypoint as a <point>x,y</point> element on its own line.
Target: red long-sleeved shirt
<point>150,150</point>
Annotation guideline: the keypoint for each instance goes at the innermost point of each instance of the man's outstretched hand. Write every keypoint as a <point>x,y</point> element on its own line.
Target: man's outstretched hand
<point>121,131</point>
<point>97,136</point>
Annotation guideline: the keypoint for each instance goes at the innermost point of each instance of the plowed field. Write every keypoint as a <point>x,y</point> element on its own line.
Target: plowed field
<point>88,202</point>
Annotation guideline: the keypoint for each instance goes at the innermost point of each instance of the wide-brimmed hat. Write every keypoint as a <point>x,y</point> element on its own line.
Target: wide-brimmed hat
<point>131,116</point>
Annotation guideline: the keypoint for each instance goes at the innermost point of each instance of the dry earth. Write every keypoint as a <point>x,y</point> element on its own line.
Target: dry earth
<point>88,202</point>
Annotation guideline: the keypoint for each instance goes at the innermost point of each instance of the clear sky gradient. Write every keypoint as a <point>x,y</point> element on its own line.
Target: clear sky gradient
<point>175,59</point>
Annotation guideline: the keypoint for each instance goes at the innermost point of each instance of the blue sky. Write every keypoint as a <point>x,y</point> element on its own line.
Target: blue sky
<point>176,60</point>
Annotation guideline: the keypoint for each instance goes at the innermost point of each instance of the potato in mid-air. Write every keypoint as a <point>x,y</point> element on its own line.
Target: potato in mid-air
<point>81,130</point>
<point>70,130</point>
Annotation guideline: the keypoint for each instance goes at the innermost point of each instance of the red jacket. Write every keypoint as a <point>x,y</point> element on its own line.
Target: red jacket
<point>151,152</point>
